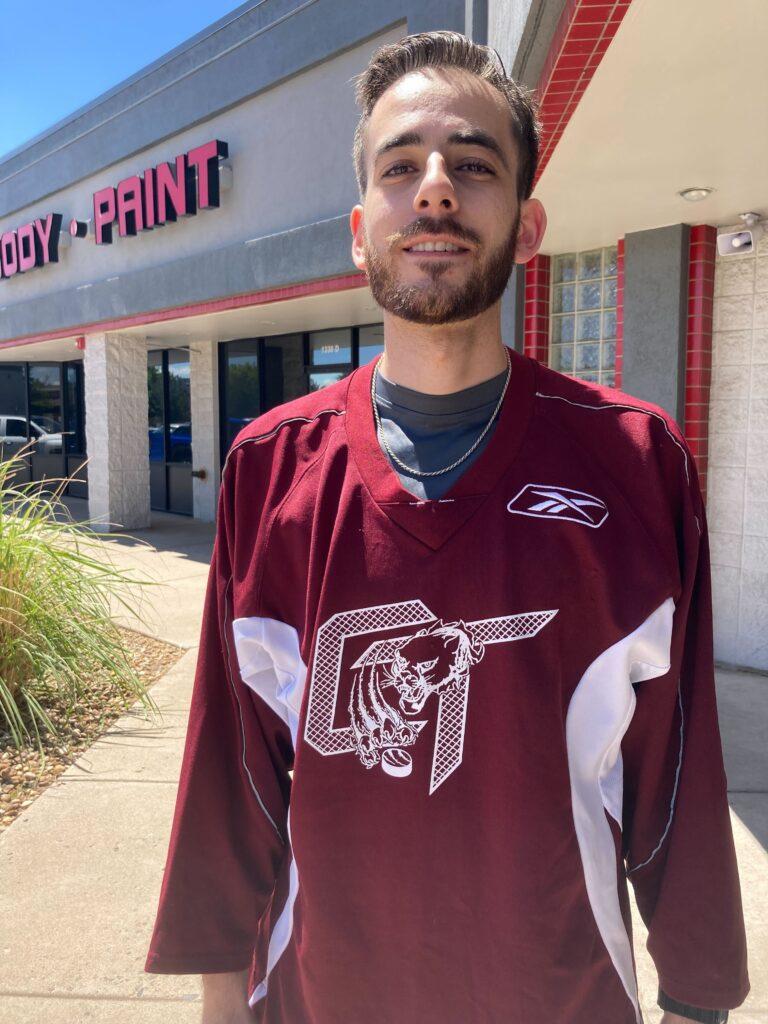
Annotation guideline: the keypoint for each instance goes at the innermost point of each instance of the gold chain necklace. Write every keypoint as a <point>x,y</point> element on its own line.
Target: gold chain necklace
<point>453,465</point>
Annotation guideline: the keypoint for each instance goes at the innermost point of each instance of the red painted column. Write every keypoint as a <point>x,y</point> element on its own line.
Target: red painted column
<point>702,248</point>
<point>536,326</point>
<point>619,312</point>
<point>581,38</point>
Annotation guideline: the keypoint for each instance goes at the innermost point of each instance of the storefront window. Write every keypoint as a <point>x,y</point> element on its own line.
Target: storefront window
<point>45,406</point>
<point>13,390</point>
<point>284,371</point>
<point>74,439</point>
<point>583,318</point>
<point>322,380</point>
<point>156,406</point>
<point>371,342</point>
<point>327,348</point>
<point>179,407</point>
<point>257,374</point>
<point>240,396</point>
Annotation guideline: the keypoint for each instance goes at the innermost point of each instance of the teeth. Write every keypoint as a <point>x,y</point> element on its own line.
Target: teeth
<point>435,247</point>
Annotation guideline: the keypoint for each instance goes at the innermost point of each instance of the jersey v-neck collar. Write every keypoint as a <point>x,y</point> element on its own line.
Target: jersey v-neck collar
<point>434,521</point>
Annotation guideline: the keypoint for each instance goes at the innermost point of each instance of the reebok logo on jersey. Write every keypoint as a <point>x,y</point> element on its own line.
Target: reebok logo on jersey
<point>544,501</point>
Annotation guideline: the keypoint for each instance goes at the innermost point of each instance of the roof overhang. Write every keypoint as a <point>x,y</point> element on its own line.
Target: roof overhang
<point>678,100</point>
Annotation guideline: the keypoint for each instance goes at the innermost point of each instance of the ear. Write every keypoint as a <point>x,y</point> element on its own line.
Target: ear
<point>356,227</point>
<point>530,234</point>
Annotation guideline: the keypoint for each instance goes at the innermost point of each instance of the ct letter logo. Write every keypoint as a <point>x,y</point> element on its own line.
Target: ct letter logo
<point>547,502</point>
<point>435,659</point>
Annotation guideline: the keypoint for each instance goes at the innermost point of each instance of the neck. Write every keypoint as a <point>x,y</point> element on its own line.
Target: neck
<point>442,377</point>
<point>442,370</point>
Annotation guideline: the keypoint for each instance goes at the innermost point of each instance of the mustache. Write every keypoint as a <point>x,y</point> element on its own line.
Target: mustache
<point>432,228</point>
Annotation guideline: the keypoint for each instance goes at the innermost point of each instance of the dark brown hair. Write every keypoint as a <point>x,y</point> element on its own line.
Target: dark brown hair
<point>443,49</point>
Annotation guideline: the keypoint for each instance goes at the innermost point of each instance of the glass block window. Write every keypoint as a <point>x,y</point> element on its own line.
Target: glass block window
<point>582,340</point>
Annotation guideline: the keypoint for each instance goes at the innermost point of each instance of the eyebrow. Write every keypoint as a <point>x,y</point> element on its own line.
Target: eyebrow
<point>462,137</point>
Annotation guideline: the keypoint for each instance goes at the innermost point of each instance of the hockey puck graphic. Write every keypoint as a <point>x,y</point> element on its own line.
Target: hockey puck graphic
<point>396,762</point>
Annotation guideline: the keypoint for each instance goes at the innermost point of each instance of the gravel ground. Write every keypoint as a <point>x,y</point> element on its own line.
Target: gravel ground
<point>24,774</point>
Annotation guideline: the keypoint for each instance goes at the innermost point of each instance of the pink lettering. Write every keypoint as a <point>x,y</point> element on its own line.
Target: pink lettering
<point>206,160</point>
<point>43,229</point>
<point>150,206</point>
<point>172,191</point>
<point>130,214</point>
<point>25,242</point>
<point>9,255</point>
<point>104,215</point>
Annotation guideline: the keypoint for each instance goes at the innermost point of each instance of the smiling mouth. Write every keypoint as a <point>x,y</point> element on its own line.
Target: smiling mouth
<point>435,254</point>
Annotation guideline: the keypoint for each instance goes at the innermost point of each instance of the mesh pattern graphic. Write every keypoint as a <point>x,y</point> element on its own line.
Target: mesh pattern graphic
<point>449,741</point>
<point>324,687</point>
<point>453,701</point>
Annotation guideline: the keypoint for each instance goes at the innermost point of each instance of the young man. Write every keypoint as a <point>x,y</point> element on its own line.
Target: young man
<point>466,600</point>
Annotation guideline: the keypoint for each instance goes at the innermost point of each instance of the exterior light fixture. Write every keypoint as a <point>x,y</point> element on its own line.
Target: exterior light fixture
<point>696,193</point>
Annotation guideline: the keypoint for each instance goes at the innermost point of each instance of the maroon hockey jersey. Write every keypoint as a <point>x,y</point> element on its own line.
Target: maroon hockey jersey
<point>431,740</point>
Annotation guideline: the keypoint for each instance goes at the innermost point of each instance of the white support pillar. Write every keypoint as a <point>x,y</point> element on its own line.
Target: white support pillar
<point>204,391</point>
<point>116,407</point>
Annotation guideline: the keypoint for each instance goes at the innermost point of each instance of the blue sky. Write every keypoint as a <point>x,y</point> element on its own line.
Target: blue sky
<point>58,55</point>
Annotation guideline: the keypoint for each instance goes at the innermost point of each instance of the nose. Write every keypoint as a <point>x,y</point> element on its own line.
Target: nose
<point>436,188</point>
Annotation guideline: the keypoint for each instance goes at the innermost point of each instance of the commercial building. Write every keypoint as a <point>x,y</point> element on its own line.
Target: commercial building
<point>176,254</point>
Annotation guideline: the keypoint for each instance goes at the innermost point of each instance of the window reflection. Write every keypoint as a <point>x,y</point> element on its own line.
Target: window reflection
<point>45,407</point>
<point>179,407</point>
<point>156,406</point>
<point>371,342</point>
<point>317,381</point>
<point>326,348</point>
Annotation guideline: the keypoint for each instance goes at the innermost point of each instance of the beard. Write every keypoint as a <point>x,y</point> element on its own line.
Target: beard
<point>436,299</point>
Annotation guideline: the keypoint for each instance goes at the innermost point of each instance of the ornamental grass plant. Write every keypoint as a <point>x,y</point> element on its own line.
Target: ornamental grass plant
<point>59,589</point>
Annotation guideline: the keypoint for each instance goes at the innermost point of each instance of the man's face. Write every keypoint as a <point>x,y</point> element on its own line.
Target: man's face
<point>463,190</point>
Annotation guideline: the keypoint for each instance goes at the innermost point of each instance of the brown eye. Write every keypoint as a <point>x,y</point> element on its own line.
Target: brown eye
<point>481,166</point>
<point>469,163</point>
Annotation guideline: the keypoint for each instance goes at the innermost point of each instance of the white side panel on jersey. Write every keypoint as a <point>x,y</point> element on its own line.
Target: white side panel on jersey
<point>281,933</point>
<point>270,663</point>
<point>599,714</point>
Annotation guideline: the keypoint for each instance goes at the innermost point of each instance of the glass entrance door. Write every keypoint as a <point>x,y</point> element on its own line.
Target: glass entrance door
<point>256,374</point>
<point>46,416</point>
<point>170,431</point>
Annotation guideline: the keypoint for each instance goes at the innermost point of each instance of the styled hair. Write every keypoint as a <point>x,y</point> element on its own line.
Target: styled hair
<point>444,49</point>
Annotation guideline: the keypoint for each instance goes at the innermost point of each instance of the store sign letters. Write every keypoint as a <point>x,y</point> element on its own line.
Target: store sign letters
<point>32,245</point>
<point>141,202</point>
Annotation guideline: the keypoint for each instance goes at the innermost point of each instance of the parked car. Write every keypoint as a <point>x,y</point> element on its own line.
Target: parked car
<point>13,434</point>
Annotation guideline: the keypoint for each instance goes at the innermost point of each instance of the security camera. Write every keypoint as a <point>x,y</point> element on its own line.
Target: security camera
<point>732,242</point>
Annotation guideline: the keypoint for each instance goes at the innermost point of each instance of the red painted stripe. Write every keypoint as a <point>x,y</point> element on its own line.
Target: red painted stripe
<point>698,367</point>
<point>619,313</point>
<point>580,40</point>
<point>536,322</point>
<point>261,298</point>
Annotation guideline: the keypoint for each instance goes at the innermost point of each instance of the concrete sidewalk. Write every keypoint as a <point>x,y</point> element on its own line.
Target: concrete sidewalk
<point>80,868</point>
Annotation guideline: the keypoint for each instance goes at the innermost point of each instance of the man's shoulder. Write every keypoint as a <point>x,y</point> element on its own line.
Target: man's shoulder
<point>299,424</point>
<point>602,415</point>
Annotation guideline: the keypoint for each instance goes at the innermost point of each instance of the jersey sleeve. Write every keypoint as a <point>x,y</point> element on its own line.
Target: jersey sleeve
<point>677,836</point>
<point>228,832</point>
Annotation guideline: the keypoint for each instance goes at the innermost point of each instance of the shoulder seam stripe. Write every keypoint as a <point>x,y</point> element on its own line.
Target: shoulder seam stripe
<point>635,408</point>
<point>282,423</point>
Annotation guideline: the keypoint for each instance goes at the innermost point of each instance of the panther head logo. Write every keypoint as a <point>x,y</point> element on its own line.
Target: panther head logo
<point>435,659</point>
<point>431,661</point>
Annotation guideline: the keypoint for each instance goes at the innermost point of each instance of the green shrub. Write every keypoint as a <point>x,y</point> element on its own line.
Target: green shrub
<point>56,606</point>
